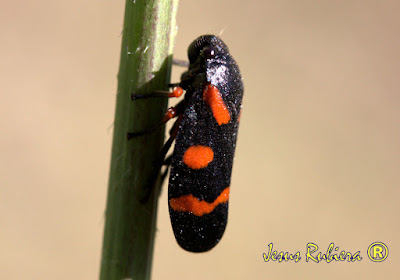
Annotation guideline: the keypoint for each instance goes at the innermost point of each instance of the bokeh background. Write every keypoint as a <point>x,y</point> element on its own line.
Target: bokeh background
<point>317,159</point>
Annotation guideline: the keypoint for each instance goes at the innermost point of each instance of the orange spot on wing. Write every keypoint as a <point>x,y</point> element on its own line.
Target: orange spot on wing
<point>197,157</point>
<point>191,204</point>
<point>213,97</point>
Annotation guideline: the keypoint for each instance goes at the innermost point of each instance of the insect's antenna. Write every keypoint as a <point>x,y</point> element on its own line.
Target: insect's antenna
<point>222,31</point>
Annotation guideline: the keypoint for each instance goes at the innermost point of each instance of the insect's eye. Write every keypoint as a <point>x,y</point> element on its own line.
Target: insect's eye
<point>208,52</point>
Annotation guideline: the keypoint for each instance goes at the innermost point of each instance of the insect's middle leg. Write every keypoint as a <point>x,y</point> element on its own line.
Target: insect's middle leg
<point>171,113</point>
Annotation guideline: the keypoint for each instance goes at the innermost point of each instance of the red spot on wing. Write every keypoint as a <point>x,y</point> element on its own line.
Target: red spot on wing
<point>213,97</point>
<point>197,157</point>
<point>191,204</point>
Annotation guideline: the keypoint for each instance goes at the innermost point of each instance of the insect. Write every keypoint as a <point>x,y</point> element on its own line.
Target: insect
<point>205,136</point>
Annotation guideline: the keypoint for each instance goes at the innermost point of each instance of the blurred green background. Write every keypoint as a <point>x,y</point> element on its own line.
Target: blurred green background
<point>317,160</point>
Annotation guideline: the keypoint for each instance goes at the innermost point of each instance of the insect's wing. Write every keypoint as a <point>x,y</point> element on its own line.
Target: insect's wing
<point>200,177</point>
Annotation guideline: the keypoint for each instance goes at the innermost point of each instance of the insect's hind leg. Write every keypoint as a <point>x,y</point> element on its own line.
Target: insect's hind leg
<point>167,163</point>
<point>158,163</point>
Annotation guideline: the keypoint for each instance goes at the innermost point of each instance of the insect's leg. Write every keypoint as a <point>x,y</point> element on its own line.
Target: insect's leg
<point>177,91</point>
<point>167,163</point>
<point>168,144</point>
<point>171,113</point>
<point>160,159</point>
<point>180,62</point>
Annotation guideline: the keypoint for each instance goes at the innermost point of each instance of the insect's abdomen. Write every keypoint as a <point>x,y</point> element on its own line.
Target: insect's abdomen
<point>199,185</point>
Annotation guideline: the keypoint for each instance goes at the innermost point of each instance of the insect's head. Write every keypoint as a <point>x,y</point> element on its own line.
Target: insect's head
<point>207,47</point>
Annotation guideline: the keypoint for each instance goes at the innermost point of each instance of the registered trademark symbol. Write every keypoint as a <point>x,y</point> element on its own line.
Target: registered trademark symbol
<point>378,252</point>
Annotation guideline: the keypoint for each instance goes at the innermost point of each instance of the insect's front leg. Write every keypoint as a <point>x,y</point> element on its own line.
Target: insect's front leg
<point>177,91</point>
<point>180,62</point>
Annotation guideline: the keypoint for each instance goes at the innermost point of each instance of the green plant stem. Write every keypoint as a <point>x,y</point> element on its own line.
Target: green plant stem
<point>145,65</point>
